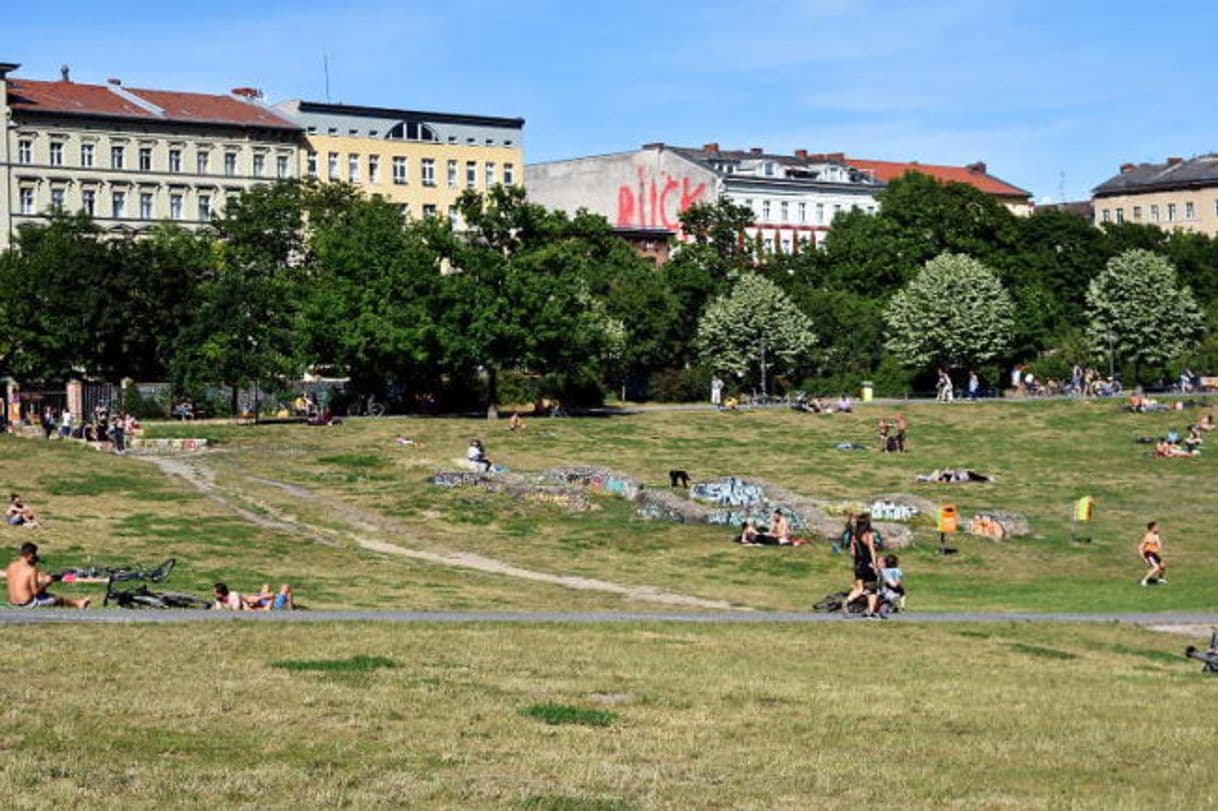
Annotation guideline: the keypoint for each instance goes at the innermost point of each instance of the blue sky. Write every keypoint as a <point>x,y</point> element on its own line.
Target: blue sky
<point>1034,88</point>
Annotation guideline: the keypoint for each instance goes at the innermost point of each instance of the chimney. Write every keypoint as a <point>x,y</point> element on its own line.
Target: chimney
<point>654,145</point>
<point>839,157</point>
<point>977,168</point>
<point>802,154</point>
<point>1126,168</point>
<point>713,146</point>
<point>64,75</point>
<point>247,93</point>
<point>756,150</point>
<point>115,82</point>
<point>1174,161</point>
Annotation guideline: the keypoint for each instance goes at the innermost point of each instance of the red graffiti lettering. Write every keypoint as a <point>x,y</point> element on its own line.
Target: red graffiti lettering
<point>655,203</point>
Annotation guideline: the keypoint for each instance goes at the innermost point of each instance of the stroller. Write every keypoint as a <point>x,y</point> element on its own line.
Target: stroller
<point>1209,657</point>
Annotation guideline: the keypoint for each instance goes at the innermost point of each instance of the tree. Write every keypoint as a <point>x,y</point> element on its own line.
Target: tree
<point>516,298</point>
<point>246,327</point>
<point>955,312</point>
<point>756,326</point>
<point>1139,311</point>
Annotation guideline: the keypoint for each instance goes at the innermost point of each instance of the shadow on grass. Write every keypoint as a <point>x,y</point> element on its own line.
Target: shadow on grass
<point>355,664</point>
<point>559,803</point>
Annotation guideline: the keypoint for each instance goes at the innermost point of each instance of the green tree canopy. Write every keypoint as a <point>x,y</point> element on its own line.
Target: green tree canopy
<point>755,327</point>
<point>1138,307</point>
<point>955,313</point>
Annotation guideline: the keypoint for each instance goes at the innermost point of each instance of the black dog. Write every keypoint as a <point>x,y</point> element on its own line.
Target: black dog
<point>680,477</point>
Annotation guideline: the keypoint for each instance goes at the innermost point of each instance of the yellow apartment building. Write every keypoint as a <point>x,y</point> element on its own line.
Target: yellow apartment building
<point>1179,195</point>
<point>420,161</point>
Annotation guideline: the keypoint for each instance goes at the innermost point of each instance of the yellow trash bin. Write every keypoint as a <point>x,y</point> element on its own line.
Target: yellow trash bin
<point>868,391</point>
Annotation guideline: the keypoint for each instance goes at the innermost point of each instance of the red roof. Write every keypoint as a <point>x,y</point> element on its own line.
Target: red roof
<point>974,176</point>
<point>101,100</point>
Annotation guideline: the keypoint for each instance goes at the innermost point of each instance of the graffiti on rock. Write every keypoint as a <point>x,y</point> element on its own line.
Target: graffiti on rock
<point>888,511</point>
<point>730,492</point>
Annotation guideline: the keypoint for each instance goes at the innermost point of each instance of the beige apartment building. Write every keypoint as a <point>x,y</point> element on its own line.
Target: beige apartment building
<point>1179,194</point>
<point>131,157</point>
<point>420,161</point>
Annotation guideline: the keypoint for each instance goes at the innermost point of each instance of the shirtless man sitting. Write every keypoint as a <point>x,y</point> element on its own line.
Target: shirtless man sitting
<point>27,586</point>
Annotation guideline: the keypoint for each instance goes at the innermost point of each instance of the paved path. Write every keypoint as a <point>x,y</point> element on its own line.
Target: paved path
<point>60,616</point>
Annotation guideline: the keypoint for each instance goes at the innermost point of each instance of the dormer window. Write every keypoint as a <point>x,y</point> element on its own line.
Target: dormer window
<point>768,169</point>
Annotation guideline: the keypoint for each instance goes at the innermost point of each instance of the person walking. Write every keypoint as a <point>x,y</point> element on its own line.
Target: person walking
<point>974,385</point>
<point>862,549</point>
<point>944,386</point>
<point>1150,549</point>
<point>716,392</point>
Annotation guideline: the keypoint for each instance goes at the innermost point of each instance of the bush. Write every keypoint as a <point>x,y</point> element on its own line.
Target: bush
<point>892,379</point>
<point>680,385</point>
<point>143,408</point>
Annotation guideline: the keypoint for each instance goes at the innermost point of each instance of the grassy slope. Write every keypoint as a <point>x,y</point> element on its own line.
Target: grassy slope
<point>1043,455</point>
<point>841,716</point>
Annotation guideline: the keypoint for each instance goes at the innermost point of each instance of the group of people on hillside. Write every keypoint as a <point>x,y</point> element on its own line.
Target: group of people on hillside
<point>102,426</point>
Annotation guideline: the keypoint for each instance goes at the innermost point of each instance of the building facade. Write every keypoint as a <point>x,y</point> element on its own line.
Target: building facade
<point>1180,195</point>
<point>793,197</point>
<point>131,157</point>
<point>419,161</point>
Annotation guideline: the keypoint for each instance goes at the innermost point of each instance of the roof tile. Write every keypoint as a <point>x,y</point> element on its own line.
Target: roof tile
<point>891,170</point>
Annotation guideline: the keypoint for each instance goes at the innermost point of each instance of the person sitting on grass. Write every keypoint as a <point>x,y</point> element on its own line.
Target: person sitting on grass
<point>27,587</point>
<point>1207,422</point>
<point>19,515</point>
<point>1150,550</point>
<point>515,423</point>
<point>1194,439</point>
<point>892,584</point>
<point>227,600</point>
<point>781,529</point>
<point>475,454</point>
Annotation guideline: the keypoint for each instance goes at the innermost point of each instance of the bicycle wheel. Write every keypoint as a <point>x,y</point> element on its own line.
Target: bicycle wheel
<point>175,599</point>
<point>376,409</point>
<point>161,572</point>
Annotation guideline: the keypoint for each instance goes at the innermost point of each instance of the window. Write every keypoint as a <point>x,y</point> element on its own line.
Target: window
<point>786,244</point>
<point>1171,212</point>
<point>509,174</point>
<point>145,206</point>
<point>118,204</point>
<point>768,169</point>
<point>471,174</point>
<point>25,151</point>
<point>1137,212</point>
<point>311,164</point>
<point>374,168</point>
<point>259,164</point>
<point>429,210</point>
<point>27,201</point>
<point>281,166</point>
<point>86,155</point>
<point>452,174</point>
<point>175,206</point>
<point>1189,211</point>
<point>353,168</point>
<point>769,244</point>
<point>205,207</point>
<point>56,153</point>
<point>783,211</point>
<point>175,160</point>
<point>1106,215</point>
<point>230,163</point>
<point>748,203</point>
<point>452,216</point>
<point>231,199</point>
<point>1154,213</point>
<point>765,210</point>
<point>820,213</point>
<point>332,166</point>
<point>399,170</point>
<point>870,209</point>
<point>428,171</point>
<point>1120,215</point>
<point>146,158</point>
<point>57,199</point>
<point>803,212</point>
<point>490,174</point>
<point>837,207</point>
<point>88,203</point>
<point>202,159</point>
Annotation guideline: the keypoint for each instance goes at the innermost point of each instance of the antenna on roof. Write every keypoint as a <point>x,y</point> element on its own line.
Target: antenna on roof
<point>325,66</point>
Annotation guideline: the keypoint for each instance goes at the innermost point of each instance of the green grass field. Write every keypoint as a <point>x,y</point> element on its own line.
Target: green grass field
<point>623,716</point>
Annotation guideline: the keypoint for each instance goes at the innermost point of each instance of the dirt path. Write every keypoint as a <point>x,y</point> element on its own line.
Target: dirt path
<point>363,523</point>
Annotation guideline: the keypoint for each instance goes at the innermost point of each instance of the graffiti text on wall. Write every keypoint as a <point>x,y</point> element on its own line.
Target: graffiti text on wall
<point>656,203</point>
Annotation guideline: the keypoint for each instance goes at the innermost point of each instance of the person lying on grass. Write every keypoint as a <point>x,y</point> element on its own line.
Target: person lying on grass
<point>1166,450</point>
<point>27,587</point>
<point>267,600</point>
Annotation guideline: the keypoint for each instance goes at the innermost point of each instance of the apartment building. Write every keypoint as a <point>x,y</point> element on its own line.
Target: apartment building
<point>420,161</point>
<point>794,197</point>
<point>1179,194</point>
<point>129,157</point>
<point>1018,201</point>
